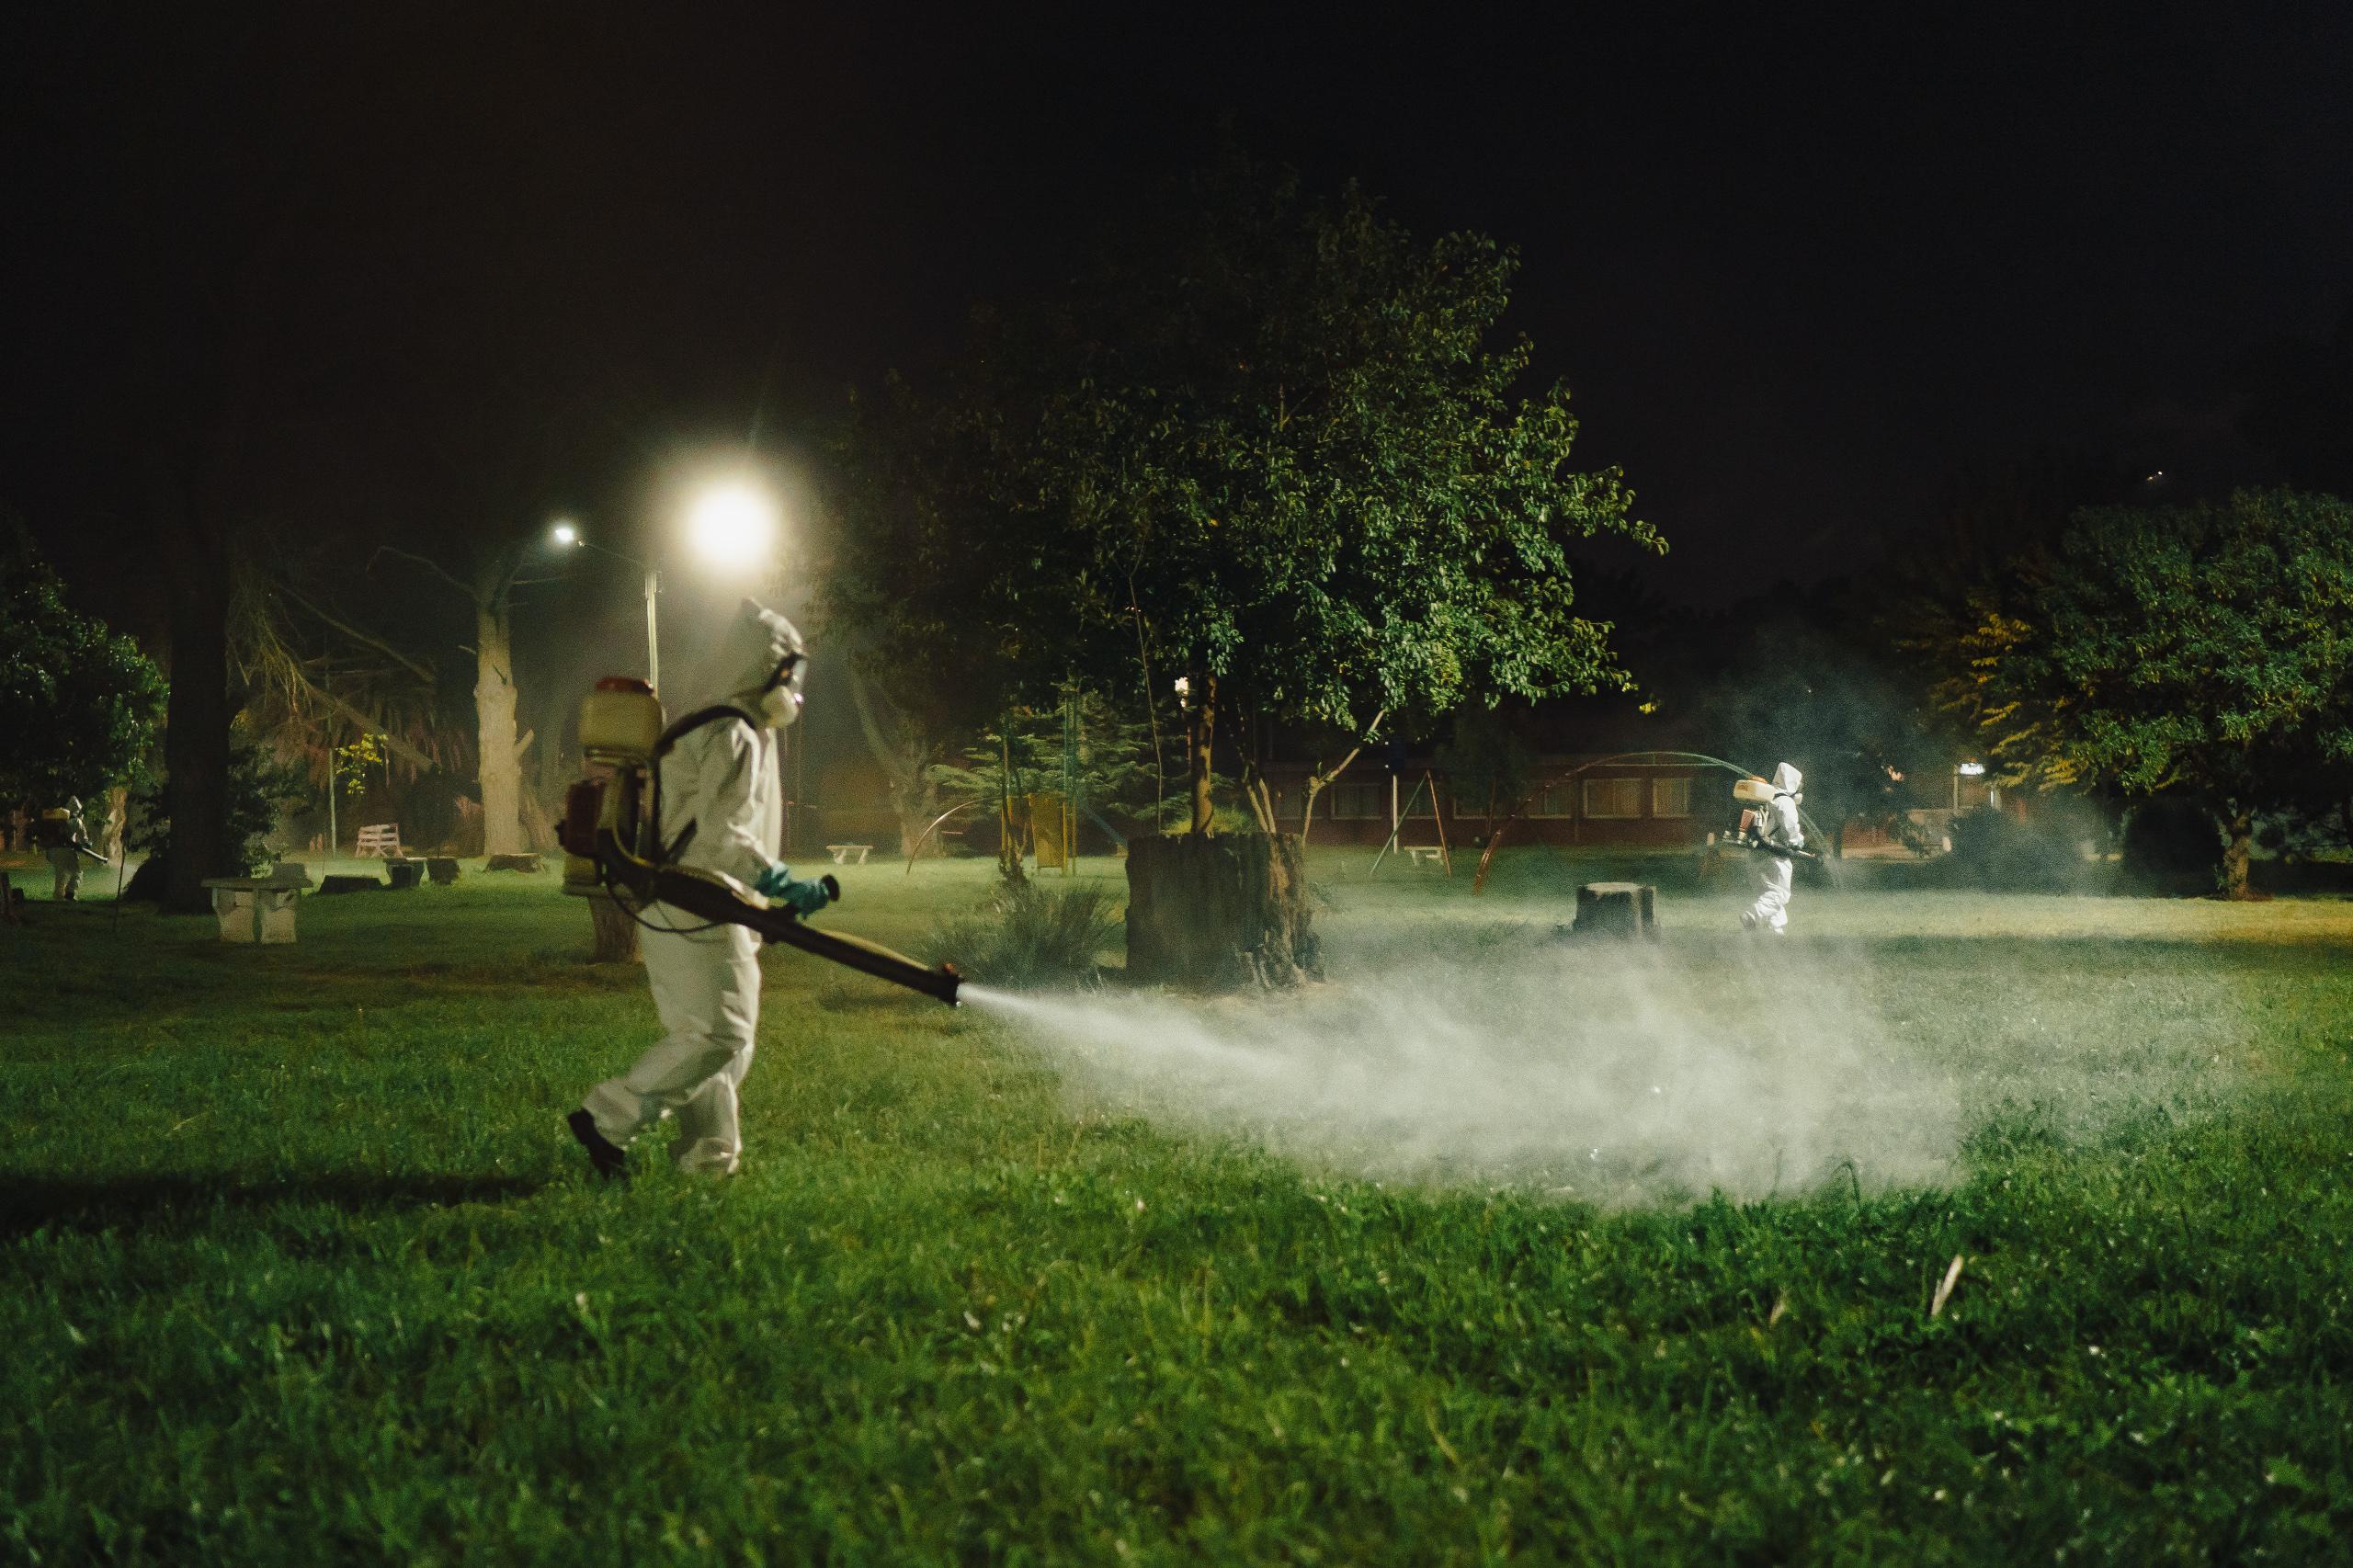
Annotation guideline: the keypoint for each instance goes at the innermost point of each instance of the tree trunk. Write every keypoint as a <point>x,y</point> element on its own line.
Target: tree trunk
<point>905,761</point>
<point>1200,737</point>
<point>2240,831</point>
<point>501,767</point>
<point>197,715</point>
<point>616,931</point>
<point>1218,912</point>
<point>1321,777</point>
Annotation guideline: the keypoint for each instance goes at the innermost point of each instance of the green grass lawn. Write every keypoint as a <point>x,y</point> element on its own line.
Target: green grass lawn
<point>300,1266</point>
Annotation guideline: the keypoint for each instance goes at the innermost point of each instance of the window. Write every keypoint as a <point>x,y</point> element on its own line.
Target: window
<point>1613,797</point>
<point>1360,803</point>
<point>1554,800</point>
<point>1670,797</point>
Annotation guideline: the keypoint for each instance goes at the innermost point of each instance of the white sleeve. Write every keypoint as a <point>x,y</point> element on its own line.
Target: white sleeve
<point>728,810</point>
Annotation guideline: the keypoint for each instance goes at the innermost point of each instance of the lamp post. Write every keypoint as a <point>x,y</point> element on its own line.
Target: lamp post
<point>1965,770</point>
<point>567,536</point>
<point>729,524</point>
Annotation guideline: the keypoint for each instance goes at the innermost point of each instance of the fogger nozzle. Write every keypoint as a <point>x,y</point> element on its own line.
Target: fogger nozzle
<point>710,896</point>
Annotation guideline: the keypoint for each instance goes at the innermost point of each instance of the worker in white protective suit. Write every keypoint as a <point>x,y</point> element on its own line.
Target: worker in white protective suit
<point>66,859</point>
<point>1775,826</point>
<point>723,810</point>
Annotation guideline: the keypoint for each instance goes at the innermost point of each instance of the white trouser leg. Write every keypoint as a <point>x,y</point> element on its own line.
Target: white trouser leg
<point>707,988</point>
<point>65,873</point>
<point>1772,906</point>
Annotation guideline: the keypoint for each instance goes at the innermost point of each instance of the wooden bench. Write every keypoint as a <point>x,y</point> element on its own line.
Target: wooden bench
<point>382,840</point>
<point>842,853</point>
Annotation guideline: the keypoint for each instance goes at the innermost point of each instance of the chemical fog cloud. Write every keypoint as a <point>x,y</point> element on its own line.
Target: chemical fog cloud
<point>1609,1073</point>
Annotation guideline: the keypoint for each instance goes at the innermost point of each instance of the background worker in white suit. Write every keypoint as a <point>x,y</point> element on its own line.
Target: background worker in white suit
<point>1775,826</point>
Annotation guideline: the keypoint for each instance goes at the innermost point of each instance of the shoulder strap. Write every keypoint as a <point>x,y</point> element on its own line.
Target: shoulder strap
<point>662,747</point>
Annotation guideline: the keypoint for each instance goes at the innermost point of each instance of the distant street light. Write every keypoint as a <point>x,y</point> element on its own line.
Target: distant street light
<point>731,524</point>
<point>1964,770</point>
<point>567,534</point>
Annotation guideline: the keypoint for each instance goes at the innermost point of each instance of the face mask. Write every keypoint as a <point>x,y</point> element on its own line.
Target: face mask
<point>778,706</point>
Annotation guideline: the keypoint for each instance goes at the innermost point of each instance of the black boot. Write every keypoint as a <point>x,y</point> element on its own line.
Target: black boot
<point>606,1158</point>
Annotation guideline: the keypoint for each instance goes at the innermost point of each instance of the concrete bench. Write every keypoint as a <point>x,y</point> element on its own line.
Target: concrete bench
<point>442,869</point>
<point>528,862</point>
<point>254,909</point>
<point>403,872</point>
<point>842,853</point>
<point>1617,909</point>
<point>339,883</point>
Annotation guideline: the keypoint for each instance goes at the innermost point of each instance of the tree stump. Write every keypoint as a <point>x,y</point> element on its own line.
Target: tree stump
<point>616,930</point>
<point>1617,909</point>
<point>1219,911</point>
<point>442,869</point>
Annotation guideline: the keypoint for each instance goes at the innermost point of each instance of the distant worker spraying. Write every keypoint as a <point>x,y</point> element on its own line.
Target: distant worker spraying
<point>721,810</point>
<point>65,840</point>
<point>1769,827</point>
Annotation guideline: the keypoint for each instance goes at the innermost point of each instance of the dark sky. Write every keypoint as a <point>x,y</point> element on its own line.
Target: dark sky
<point>1801,275</point>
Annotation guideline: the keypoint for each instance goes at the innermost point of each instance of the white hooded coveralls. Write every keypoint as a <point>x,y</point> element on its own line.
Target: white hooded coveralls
<point>1777,824</point>
<point>722,778</point>
<point>65,864</point>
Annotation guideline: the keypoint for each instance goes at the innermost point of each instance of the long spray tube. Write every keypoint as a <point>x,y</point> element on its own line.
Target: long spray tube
<point>1495,837</point>
<point>707,895</point>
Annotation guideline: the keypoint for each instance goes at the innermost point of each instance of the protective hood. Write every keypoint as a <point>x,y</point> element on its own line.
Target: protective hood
<point>757,666</point>
<point>1787,780</point>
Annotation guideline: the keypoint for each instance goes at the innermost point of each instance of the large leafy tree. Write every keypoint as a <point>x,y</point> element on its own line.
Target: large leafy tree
<point>78,703</point>
<point>2202,650</point>
<point>1274,445</point>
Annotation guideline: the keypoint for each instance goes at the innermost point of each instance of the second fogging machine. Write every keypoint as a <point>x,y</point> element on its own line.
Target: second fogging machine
<point>611,837</point>
<point>1756,797</point>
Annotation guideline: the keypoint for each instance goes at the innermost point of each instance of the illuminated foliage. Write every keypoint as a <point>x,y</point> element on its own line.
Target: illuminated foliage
<point>78,703</point>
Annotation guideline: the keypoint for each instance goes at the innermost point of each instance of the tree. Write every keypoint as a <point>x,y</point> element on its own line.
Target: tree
<point>488,589</point>
<point>2205,650</point>
<point>78,703</point>
<point>1272,447</point>
<point>931,657</point>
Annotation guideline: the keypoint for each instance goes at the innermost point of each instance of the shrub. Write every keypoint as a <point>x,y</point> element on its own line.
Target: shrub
<point>2043,854</point>
<point>1028,934</point>
<point>2172,847</point>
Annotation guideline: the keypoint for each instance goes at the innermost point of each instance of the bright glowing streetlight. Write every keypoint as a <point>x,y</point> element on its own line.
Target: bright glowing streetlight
<point>731,524</point>
<point>565,533</point>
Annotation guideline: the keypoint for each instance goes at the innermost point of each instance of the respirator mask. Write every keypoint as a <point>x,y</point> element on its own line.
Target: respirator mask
<point>778,703</point>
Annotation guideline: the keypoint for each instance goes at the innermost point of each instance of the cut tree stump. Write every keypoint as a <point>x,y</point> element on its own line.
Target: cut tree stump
<point>442,869</point>
<point>1617,909</point>
<point>616,930</point>
<point>1219,911</point>
<point>526,862</point>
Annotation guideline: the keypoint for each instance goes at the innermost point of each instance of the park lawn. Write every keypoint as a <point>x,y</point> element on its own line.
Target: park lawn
<point>300,1267</point>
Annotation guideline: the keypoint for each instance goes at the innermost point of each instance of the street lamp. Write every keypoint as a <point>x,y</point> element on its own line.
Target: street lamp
<point>731,524</point>
<point>1964,770</point>
<point>566,535</point>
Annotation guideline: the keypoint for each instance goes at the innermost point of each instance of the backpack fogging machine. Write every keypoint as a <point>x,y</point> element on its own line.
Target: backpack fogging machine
<point>1754,797</point>
<point>55,829</point>
<point>611,837</point>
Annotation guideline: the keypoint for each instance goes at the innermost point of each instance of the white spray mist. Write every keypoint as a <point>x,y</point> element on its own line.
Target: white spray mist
<point>1608,1072</point>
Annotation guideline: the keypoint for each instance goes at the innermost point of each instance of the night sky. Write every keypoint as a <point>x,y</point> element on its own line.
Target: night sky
<point>1803,278</point>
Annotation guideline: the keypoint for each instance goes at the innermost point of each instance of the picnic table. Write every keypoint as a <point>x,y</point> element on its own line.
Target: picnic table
<point>842,853</point>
